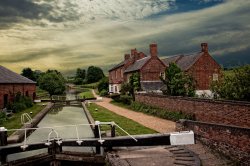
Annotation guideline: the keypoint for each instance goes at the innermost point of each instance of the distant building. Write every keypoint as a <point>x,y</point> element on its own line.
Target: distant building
<point>11,83</point>
<point>201,66</point>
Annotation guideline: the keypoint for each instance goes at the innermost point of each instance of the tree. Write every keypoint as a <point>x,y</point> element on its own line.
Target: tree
<point>103,84</point>
<point>53,82</point>
<point>94,74</point>
<point>235,86</point>
<point>80,73</point>
<point>28,73</point>
<point>177,83</point>
<point>133,85</point>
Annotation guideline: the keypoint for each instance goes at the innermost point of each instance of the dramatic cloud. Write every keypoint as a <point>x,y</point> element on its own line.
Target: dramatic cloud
<point>66,34</point>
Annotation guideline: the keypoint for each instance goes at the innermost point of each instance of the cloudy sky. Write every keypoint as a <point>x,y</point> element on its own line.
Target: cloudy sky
<point>66,34</point>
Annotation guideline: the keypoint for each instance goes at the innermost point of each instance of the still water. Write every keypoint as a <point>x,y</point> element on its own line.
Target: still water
<point>58,118</point>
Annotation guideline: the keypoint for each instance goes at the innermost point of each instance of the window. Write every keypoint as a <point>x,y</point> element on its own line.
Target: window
<point>215,77</point>
<point>162,74</point>
<point>115,89</point>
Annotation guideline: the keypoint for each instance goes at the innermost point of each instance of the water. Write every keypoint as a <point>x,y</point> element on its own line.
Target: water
<point>58,117</point>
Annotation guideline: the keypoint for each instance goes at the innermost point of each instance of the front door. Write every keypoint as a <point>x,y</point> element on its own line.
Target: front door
<point>5,100</point>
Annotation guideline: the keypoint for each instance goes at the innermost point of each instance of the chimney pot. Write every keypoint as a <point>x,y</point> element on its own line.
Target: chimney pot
<point>204,47</point>
<point>126,57</point>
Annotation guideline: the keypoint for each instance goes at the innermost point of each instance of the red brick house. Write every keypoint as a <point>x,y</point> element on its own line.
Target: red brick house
<point>149,67</point>
<point>201,66</point>
<point>11,83</point>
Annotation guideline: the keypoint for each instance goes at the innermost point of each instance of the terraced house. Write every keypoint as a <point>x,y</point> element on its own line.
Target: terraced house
<point>201,66</point>
<point>12,83</point>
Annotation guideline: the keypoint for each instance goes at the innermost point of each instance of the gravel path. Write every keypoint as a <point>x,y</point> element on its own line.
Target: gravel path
<point>157,124</point>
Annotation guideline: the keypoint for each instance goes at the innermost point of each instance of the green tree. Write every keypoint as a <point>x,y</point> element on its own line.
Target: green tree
<point>177,83</point>
<point>80,73</point>
<point>53,82</point>
<point>103,84</point>
<point>28,73</point>
<point>94,74</point>
<point>235,86</point>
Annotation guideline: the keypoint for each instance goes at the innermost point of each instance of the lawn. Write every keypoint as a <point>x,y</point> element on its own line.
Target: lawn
<point>14,122</point>
<point>87,93</point>
<point>128,125</point>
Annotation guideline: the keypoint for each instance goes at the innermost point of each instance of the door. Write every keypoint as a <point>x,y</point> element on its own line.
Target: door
<point>5,100</point>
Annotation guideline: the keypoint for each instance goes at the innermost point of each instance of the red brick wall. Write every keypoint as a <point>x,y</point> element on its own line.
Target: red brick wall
<point>116,76</point>
<point>202,71</point>
<point>231,141</point>
<point>12,89</point>
<point>152,69</point>
<point>221,112</point>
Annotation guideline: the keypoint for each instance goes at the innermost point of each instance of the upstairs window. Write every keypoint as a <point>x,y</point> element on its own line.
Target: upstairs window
<point>215,77</point>
<point>162,74</point>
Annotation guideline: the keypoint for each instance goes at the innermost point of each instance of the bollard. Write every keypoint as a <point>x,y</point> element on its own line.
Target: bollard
<point>112,130</point>
<point>97,135</point>
<point>3,136</point>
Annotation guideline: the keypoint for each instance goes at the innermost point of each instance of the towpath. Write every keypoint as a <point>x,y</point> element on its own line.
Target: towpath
<point>157,124</point>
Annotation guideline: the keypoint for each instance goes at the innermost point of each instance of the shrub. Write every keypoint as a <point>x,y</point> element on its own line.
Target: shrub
<point>3,117</point>
<point>165,114</point>
<point>125,99</point>
<point>104,92</point>
<point>115,97</point>
<point>18,106</point>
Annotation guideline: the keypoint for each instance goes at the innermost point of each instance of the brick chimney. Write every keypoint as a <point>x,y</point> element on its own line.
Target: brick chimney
<point>133,55</point>
<point>204,47</point>
<point>126,57</point>
<point>153,50</point>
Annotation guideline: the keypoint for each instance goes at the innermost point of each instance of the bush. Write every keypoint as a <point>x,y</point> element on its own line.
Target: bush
<point>18,106</point>
<point>125,99</point>
<point>20,103</point>
<point>115,97</point>
<point>165,114</point>
<point>3,117</point>
<point>104,92</point>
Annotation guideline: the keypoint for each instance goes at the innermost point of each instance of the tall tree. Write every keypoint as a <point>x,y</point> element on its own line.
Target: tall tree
<point>94,74</point>
<point>53,82</point>
<point>235,86</point>
<point>28,73</point>
<point>80,73</point>
<point>177,83</point>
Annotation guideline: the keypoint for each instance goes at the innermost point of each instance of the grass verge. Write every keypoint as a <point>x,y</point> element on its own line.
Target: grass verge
<point>14,122</point>
<point>87,93</point>
<point>104,115</point>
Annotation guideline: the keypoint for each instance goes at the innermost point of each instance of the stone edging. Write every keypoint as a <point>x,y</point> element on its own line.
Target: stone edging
<point>18,136</point>
<point>88,115</point>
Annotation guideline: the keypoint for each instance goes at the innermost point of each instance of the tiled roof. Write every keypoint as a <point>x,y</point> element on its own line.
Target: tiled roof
<point>137,65</point>
<point>118,65</point>
<point>10,77</point>
<point>183,61</point>
<point>152,85</point>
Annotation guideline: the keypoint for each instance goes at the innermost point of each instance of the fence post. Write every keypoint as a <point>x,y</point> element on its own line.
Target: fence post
<point>3,142</point>
<point>97,135</point>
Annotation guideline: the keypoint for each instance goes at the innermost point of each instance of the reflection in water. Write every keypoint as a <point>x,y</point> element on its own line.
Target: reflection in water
<point>60,116</point>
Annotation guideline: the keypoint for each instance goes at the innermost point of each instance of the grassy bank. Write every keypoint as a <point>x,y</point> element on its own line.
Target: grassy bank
<point>154,111</point>
<point>87,93</point>
<point>42,94</point>
<point>14,122</point>
<point>105,115</point>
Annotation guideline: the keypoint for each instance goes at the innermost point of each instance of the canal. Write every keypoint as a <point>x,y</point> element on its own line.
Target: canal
<point>61,118</point>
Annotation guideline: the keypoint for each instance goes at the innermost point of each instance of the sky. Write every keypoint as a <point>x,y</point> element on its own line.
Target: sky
<point>67,34</point>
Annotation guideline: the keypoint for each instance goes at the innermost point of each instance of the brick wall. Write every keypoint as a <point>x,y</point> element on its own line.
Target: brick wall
<point>221,112</point>
<point>11,89</point>
<point>231,141</point>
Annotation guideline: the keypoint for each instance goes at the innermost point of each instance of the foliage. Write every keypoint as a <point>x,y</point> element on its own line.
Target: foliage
<point>78,81</point>
<point>235,86</point>
<point>104,92</point>
<point>80,73</point>
<point>103,84</point>
<point>125,99</point>
<point>115,97</point>
<point>158,112</point>
<point>94,74</point>
<point>126,88</point>
<point>177,83</point>
<point>20,103</point>
<point>53,82</point>
<point>91,85</point>
<point>129,125</point>
<point>134,81</point>
<point>28,73</point>
<point>3,117</point>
